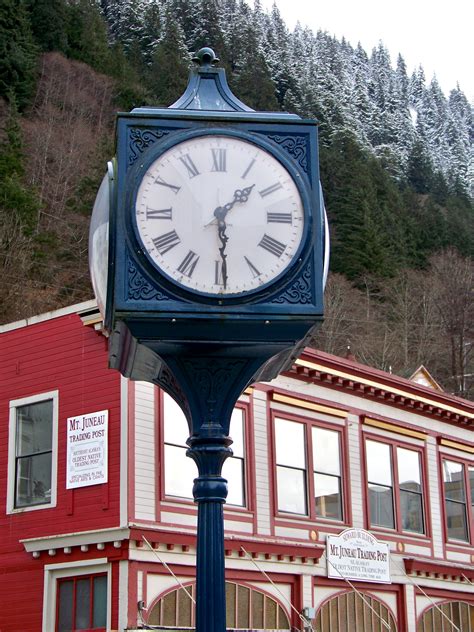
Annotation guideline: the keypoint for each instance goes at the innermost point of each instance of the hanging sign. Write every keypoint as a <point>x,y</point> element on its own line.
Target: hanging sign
<point>87,449</point>
<point>356,554</point>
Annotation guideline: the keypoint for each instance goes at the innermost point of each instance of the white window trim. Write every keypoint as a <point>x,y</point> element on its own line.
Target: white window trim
<point>53,572</point>
<point>14,404</point>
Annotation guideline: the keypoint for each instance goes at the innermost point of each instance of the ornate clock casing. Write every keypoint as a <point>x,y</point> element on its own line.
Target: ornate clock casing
<point>212,224</point>
<point>217,230</point>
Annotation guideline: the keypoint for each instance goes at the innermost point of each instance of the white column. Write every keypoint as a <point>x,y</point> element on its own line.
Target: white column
<point>262,472</point>
<point>356,466</point>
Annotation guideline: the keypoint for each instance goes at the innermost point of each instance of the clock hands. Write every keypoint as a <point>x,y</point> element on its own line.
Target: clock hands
<point>240,196</point>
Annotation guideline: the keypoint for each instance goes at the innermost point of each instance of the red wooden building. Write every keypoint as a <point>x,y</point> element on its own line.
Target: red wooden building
<point>98,527</point>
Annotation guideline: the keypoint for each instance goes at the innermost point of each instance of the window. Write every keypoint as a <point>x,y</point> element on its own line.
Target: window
<point>355,611</point>
<point>395,487</point>
<point>32,450</point>
<point>82,603</point>
<point>293,462</point>
<point>458,484</point>
<point>246,608</point>
<point>448,617</point>
<point>327,473</point>
<point>291,466</point>
<point>180,470</point>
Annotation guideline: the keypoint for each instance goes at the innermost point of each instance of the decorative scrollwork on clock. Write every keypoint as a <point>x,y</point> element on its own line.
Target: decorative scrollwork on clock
<point>140,139</point>
<point>301,292</point>
<point>295,146</point>
<point>139,289</point>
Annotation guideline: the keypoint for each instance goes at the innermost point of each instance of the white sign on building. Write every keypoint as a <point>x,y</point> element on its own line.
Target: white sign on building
<point>356,554</point>
<point>87,451</point>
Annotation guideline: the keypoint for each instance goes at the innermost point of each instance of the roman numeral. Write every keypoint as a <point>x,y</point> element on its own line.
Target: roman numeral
<point>218,277</point>
<point>165,242</point>
<point>246,172</point>
<point>279,218</point>
<point>173,187</point>
<point>253,269</point>
<point>270,189</point>
<point>190,166</point>
<point>272,245</point>
<point>219,159</point>
<point>188,264</point>
<point>164,213</point>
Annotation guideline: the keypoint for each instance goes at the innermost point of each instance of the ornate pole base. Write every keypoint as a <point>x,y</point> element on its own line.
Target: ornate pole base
<point>210,493</point>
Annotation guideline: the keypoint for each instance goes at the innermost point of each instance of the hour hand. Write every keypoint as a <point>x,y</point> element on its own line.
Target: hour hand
<point>240,196</point>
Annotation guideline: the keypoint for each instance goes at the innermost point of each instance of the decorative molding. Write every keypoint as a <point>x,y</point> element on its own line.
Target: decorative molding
<point>140,139</point>
<point>139,288</point>
<point>301,292</point>
<point>69,540</point>
<point>317,372</point>
<point>295,146</point>
<point>457,446</point>
<point>414,566</point>
<point>383,425</point>
<point>301,403</point>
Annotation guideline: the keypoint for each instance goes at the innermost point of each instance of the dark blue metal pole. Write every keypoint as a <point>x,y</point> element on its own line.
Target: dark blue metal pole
<point>210,492</point>
<point>207,382</point>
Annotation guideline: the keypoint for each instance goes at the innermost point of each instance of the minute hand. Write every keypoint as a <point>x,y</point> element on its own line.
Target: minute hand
<point>241,196</point>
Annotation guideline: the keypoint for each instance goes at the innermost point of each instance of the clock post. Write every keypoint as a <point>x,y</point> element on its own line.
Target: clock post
<point>208,256</point>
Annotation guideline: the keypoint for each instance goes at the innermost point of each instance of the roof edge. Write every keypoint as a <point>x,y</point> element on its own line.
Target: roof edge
<point>63,311</point>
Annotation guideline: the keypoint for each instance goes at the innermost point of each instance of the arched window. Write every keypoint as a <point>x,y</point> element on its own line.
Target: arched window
<point>349,612</point>
<point>247,608</point>
<point>460,613</point>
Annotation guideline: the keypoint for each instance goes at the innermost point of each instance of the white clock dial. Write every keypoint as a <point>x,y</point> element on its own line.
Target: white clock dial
<point>219,215</point>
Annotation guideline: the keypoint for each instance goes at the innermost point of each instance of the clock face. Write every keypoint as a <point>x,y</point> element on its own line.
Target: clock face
<point>219,215</point>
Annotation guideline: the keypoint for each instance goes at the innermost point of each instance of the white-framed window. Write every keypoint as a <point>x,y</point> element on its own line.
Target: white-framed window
<point>291,466</point>
<point>32,452</point>
<point>308,459</point>
<point>77,596</point>
<point>458,487</point>
<point>395,486</point>
<point>180,471</point>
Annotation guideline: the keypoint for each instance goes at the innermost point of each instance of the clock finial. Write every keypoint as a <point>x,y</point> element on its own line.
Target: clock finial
<point>207,88</point>
<point>206,57</point>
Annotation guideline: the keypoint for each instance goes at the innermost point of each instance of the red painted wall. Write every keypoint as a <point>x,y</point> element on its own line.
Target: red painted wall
<point>64,355</point>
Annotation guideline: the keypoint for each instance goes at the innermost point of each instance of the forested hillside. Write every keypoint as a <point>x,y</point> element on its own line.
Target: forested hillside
<point>396,161</point>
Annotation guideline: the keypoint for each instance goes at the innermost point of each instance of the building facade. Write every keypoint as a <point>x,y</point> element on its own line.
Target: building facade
<point>98,525</point>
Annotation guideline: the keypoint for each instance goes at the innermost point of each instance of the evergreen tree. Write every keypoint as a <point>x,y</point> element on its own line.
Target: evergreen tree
<point>87,35</point>
<point>152,23</point>
<point>419,168</point>
<point>169,67</point>
<point>251,80</point>
<point>48,20</point>
<point>16,200</point>
<point>18,53</point>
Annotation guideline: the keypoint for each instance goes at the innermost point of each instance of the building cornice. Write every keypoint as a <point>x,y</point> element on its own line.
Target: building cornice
<point>66,541</point>
<point>233,546</point>
<point>424,568</point>
<point>339,373</point>
<point>58,313</point>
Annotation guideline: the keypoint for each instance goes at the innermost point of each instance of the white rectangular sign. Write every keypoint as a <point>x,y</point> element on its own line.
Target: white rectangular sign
<point>357,554</point>
<point>87,451</point>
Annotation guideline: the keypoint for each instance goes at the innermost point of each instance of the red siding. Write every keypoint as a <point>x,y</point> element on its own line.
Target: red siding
<point>64,355</point>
